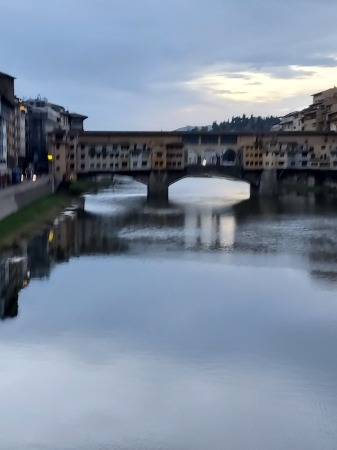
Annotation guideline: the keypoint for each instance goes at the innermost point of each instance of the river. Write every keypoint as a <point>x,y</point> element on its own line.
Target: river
<point>207,323</point>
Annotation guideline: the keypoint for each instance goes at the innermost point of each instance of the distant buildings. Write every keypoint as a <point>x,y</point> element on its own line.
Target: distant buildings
<point>43,118</point>
<point>20,115</point>
<point>7,125</point>
<point>24,128</point>
<point>320,116</point>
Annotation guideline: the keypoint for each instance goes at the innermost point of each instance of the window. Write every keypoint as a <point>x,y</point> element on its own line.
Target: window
<point>57,157</point>
<point>92,166</point>
<point>82,146</point>
<point>72,156</point>
<point>116,166</point>
<point>98,166</point>
<point>159,154</point>
<point>82,166</point>
<point>111,164</point>
<point>134,164</point>
<point>72,147</point>
<point>124,164</point>
<point>104,166</point>
<point>190,138</point>
<point>57,169</point>
<point>98,155</point>
<point>304,163</point>
<point>144,163</point>
<point>72,166</point>
<point>114,146</point>
<point>71,137</point>
<point>82,156</point>
<point>58,146</point>
<point>229,139</point>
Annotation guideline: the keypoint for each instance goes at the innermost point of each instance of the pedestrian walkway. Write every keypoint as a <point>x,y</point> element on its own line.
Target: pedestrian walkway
<point>14,197</point>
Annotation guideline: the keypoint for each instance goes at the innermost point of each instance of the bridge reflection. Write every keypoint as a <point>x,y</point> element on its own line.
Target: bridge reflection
<point>286,228</point>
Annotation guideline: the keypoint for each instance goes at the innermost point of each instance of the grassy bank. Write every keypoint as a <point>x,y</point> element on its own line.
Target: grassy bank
<point>31,217</point>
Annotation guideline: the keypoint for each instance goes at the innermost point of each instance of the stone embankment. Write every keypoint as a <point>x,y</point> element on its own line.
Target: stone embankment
<point>15,197</point>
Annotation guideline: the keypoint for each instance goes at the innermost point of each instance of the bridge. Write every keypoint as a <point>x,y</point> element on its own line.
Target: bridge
<point>157,159</point>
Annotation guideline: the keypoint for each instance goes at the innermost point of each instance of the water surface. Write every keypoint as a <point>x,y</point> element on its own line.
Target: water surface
<point>210,322</point>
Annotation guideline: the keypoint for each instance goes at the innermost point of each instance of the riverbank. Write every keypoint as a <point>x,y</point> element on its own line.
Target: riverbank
<point>20,224</point>
<point>30,218</point>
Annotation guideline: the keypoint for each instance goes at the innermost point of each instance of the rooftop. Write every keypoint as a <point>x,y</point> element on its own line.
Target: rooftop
<point>291,114</point>
<point>3,74</point>
<point>79,116</point>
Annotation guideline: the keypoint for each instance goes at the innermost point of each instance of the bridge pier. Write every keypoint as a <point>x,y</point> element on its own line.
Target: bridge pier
<point>158,184</point>
<point>267,186</point>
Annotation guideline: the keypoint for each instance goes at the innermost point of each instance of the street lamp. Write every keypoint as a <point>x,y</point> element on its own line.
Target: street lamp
<point>50,161</point>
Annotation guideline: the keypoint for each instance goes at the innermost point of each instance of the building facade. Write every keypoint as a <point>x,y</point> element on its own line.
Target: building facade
<point>43,118</point>
<point>7,126</point>
<point>320,116</point>
<point>20,115</point>
<point>82,153</point>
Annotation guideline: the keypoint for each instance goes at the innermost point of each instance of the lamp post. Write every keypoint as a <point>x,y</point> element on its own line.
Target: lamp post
<point>51,164</point>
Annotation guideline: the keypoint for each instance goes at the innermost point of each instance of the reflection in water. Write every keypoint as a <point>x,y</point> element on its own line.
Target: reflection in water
<point>299,227</point>
<point>188,325</point>
<point>13,277</point>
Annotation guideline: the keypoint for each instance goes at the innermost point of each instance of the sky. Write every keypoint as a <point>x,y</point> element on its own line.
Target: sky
<point>164,64</point>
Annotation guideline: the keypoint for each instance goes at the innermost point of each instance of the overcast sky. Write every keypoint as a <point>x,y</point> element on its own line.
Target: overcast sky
<point>163,64</point>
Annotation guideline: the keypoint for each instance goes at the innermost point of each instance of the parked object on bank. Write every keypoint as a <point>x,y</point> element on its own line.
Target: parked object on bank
<point>16,176</point>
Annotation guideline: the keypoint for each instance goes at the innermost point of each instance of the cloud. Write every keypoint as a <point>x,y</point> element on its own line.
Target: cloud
<point>274,84</point>
<point>106,59</point>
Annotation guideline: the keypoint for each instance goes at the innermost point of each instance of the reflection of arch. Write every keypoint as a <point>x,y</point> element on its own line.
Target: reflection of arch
<point>209,156</point>
<point>213,174</point>
<point>228,157</point>
<point>192,157</point>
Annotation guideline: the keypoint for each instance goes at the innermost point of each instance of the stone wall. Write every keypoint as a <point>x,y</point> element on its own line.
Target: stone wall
<point>16,197</point>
